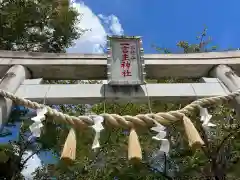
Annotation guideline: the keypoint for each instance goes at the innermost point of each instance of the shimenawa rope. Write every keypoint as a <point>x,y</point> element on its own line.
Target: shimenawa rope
<point>125,121</point>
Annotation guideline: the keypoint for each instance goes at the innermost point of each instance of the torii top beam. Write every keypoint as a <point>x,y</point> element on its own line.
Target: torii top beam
<point>94,66</point>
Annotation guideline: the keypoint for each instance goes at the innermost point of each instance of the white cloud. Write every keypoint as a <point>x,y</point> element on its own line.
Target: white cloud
<point>37,160</point>
<point>115,28</point>
<point>32,164</point>
<point>94,41</point>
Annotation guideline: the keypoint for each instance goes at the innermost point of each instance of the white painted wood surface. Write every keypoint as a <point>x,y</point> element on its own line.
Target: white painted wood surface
<point>94,93</point>
<point>93,66</point>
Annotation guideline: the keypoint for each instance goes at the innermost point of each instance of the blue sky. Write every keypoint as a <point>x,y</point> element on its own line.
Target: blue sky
<point>166,22</point>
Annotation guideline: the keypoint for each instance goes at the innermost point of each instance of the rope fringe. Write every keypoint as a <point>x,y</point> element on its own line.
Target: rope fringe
<point>134,148</point>
<point>194,139</point>
<point>69,150</point>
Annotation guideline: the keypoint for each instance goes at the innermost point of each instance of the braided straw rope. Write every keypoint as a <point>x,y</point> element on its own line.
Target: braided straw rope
<point>125,121</point>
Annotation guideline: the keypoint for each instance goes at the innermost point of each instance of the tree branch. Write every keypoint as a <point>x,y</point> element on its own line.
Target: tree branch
<point>36,152</point>
<point>235,132</point>
<point>155,169</point>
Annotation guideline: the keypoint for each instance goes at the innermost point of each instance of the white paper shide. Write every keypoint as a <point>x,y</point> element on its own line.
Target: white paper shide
<point>205,119</point>
<point>35,128</point>
<point>161,134</point>
<point>98,127</point>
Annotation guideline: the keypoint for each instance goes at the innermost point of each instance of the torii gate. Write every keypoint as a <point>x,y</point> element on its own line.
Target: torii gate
<point>22,74</point>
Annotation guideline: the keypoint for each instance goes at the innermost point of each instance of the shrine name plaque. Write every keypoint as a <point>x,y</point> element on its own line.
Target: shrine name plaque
<point>125,62</point>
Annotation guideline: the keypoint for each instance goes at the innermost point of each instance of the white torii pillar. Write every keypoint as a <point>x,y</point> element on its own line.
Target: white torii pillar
<point>230,79</point>
<point>10,82</point>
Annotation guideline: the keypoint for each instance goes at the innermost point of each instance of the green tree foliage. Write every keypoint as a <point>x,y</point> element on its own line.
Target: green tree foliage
<point>40,25</point>
<point>35,26</point>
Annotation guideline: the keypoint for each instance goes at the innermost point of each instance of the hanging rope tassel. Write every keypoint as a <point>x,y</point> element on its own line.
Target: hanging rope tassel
<point>69,150</point>
<point>134,148</point>
<point>193,136</point>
